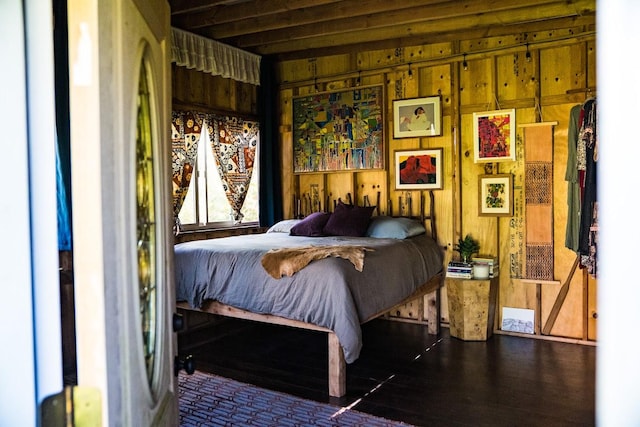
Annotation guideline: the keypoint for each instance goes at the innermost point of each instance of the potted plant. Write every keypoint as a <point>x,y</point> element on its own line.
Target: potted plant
<point>467,247</point>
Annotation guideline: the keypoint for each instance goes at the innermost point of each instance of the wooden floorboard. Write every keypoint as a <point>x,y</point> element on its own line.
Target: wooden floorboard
<point>405,374</point>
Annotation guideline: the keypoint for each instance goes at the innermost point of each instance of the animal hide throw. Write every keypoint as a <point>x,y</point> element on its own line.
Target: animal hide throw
<point>287,261</point>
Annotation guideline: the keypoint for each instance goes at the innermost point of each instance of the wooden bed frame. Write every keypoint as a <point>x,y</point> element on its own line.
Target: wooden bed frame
<point>337,364</point>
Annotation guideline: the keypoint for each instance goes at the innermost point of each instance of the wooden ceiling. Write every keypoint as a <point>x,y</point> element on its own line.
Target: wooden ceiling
<point>290,29</point>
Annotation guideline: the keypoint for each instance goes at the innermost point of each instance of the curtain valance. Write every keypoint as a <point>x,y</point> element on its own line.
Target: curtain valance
<point>209,56</point>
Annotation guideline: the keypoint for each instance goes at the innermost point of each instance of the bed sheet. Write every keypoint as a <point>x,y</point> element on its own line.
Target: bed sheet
<point>329,292</point>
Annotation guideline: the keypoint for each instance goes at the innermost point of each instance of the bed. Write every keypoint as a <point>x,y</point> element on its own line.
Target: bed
<point>337,282</point>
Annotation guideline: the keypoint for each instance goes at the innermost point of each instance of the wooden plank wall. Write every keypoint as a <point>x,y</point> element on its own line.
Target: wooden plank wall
<point>498,76</point>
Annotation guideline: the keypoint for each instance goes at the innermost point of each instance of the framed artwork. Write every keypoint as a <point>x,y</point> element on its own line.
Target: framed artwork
<point>339,130</point>
<point>494,136</point>
<point>417,117</point>
<point>419,169</point>
<point>495,196</point>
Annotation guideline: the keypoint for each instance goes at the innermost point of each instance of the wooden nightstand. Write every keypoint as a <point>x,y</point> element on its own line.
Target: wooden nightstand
<point>472,307</point>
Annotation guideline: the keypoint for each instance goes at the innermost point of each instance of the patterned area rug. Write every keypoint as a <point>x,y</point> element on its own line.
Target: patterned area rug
<point>210,400</point>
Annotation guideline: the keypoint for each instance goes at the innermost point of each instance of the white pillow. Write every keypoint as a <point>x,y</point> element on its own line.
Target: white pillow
<point>283,226</point>
<point>386,227</point>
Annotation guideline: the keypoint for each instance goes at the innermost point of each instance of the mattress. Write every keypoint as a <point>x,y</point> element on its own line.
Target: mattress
<point>328,292</point>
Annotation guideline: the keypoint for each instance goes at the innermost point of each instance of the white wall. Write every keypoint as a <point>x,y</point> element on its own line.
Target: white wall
<point>618,354</point>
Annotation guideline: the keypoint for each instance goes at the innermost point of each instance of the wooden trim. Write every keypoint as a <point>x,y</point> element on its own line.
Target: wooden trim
<point>562,294</point>
<point>547,338</point>
<point>215,307</point>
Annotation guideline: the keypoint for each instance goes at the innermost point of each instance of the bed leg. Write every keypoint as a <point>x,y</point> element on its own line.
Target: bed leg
<point>337,368</point>
<point>433,312</point>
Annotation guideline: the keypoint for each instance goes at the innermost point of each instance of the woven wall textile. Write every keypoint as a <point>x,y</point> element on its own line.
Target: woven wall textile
<point>538,151</point>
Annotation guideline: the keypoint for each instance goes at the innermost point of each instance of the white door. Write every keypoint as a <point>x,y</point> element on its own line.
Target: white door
<point>119,78</point>
<point>30,365</point>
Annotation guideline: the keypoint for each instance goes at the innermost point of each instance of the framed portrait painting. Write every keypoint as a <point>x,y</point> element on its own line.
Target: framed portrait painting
<point>419,169</point>
<point>494,136</point>
<point>495,196</point>
<point>417,117</point>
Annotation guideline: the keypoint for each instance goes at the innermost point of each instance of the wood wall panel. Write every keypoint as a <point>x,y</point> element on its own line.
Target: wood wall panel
<point>565,69</point>
<point>518,80</point>
<point>289,185</point>
<point>477,86</point>
<point>197,90</point>
<point>498,76</point>
<point>537,88</point>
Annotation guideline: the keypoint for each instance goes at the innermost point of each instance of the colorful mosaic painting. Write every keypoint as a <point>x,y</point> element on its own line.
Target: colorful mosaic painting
<point>338,131</point>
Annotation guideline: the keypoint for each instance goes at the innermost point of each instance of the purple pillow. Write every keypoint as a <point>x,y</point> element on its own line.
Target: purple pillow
<point>311,226</point>
<point>349,220</point>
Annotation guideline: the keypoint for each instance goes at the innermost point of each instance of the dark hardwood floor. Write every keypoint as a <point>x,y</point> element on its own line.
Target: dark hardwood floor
<point>407,375</point>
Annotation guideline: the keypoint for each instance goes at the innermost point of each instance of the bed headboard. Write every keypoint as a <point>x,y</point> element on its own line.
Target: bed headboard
<point>307,204</point>
<point>423,216</point>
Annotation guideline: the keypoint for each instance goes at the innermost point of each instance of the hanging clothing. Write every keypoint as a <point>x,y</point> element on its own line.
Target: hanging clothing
<point>574,200</point>
<point>588,137</point>
<point>581,175</point>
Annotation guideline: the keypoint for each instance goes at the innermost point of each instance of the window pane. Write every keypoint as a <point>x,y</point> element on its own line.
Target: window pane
<point>187,213</point>
<point>206,190</point>
<point>217,204</point>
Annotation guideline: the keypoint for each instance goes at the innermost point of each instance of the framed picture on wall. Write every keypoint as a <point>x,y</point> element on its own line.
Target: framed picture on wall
<point>339,131</point>
<point>494,136</point>
<point>495,196</point>
<point>419,169</point>
<point>417,117</point>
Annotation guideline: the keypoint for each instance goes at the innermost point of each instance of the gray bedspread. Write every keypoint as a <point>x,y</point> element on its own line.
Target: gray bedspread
<point>328,292</point>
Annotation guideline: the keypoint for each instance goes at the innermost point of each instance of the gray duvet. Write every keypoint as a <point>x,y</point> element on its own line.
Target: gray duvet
<point>329,292</point>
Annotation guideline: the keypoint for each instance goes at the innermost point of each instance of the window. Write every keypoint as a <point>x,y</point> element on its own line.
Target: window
<point>206,204</point>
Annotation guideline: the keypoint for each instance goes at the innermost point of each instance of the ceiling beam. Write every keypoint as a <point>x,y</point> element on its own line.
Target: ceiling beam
<point>341,11</point>
<point>246,12</point>
<point>179,7</point>
<point>334,34</point>
<point>351,15</point>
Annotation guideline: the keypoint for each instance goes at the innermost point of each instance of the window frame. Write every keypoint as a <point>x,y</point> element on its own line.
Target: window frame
<point>197,226</point>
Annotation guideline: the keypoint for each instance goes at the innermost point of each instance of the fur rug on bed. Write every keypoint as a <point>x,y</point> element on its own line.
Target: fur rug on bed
<point>288,261</point>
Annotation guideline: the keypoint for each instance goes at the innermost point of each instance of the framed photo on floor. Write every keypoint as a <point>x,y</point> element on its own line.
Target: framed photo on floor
<point>495,196</point>
<point>418,169</point>
<point>417,117</point>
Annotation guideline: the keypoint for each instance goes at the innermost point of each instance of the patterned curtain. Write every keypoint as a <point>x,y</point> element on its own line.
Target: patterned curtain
<point>186,127</point>
<point>234,142</point>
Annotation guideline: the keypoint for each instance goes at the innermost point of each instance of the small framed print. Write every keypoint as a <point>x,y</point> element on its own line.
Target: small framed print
<point>495,196</point>
<point>417,117</point>
<point>419,169</point>
<point>494,136</point>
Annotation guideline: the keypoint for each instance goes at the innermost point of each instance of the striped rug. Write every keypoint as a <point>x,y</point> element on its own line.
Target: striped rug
<point>210,400</point>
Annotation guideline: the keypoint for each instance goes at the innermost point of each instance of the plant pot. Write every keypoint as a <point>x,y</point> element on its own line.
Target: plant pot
<point>480,270</point>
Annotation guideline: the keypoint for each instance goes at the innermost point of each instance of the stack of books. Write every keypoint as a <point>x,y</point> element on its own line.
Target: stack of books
<point>460,270</point>
<point>491,261</point>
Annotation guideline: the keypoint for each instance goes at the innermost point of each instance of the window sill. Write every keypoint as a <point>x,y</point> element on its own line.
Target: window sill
<point>214,233</point>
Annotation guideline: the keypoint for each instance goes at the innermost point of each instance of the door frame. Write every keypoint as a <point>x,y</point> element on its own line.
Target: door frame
<point>107,41</point>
